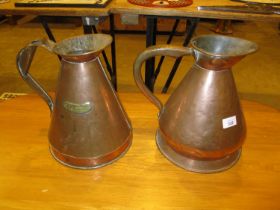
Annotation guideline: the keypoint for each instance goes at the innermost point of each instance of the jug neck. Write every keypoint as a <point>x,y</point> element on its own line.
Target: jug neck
<point>78,58</point>
<point>213,62</point>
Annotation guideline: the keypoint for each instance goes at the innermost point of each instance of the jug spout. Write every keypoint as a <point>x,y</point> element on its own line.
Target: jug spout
<point>220,52</point>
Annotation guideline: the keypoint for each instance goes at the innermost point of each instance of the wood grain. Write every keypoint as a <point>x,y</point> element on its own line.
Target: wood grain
<point>10,9</point>
<point>143,179</point>
<point>123,6</point>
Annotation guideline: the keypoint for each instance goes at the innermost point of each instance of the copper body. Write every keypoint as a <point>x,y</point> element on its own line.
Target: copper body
<point>89,127</point>
<point>201,126</point>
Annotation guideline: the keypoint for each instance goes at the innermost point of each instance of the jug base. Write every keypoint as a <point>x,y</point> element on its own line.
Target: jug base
<point>199,166</point>
<point>90,163</point>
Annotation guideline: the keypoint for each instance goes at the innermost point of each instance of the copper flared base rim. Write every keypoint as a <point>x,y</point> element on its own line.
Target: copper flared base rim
<point>91,163</point>
<point>199,166</point>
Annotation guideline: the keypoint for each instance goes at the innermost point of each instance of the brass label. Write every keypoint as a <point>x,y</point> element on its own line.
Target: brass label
<point>77,108</point>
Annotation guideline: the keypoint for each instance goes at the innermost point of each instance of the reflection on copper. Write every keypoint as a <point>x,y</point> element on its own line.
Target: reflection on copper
<point>89,127</point>
<point>191,131</point>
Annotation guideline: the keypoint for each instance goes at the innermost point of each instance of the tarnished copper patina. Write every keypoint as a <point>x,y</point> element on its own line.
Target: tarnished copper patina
<point>89,127</point>
<point>201,126</point>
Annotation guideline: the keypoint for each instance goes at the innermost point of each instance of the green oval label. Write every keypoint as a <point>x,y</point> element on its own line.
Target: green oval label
<point>77,108</point>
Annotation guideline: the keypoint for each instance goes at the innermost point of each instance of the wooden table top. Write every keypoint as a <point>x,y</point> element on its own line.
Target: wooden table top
<point>10,9</point>
<point>143,179</point>
<point>124,7</point>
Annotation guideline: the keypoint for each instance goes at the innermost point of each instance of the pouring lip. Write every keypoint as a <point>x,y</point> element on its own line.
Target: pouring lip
<point>250,51</point>
<point>91,52</point>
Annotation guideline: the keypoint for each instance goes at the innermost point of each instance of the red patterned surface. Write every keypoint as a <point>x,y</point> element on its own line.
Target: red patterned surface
<point>162,3</point>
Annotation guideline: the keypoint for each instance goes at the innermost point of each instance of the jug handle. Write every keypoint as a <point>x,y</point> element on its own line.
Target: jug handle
<point>163,50</point>
<point>24,60</point>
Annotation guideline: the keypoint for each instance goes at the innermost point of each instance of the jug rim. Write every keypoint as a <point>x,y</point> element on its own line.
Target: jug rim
<point>251,50</point>
<point>76,48</point>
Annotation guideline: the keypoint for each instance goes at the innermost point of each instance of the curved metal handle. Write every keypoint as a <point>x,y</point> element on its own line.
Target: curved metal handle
<point>24,60</point>
<point>163,50</point>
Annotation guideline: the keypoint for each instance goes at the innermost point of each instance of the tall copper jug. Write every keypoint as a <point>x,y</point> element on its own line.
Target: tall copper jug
<point>89,127</point>
<point>201,126</point>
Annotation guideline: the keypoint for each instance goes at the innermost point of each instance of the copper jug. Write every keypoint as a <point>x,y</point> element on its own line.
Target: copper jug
<point>201,126</point>
<point>89,127</point>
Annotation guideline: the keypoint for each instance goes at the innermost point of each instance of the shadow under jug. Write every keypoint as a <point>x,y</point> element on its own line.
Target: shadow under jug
<point>89,127</point>
<point>201,126</point>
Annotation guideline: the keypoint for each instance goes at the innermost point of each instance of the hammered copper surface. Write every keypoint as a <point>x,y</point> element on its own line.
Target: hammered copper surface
<point>89,127</point>
<point>202,121</point>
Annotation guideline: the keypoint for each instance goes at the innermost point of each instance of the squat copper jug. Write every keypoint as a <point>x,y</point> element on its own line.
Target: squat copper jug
<point>89,127</point>
<point>201,126</point>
